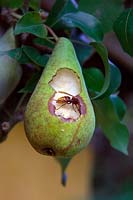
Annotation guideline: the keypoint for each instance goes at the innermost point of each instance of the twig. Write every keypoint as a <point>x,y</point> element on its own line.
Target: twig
<point>20,102</point>
<point>26,5</point>
<point>17,16</point>
<point>52,33</point>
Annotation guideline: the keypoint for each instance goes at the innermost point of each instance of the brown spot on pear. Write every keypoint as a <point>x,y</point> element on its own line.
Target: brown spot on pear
<point>59,118</point>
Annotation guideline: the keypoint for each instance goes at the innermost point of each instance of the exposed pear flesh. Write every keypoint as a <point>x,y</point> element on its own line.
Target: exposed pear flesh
<point>59,118</point>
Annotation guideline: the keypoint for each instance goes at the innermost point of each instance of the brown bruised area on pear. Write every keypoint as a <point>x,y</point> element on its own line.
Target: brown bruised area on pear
<point>66,102</point>
<point>59,119</point>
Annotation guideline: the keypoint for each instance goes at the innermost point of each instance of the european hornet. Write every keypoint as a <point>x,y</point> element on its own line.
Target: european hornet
<point>70,99</point>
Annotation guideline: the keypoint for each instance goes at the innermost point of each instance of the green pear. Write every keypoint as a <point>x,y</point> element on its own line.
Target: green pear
<point>59,119</point>
<point>10,70</point>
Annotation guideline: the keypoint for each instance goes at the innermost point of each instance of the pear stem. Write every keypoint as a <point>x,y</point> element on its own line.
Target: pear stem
<point>52,33</point>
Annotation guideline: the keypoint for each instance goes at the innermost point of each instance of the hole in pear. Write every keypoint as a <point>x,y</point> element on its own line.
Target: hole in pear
<point>66,102</point>
<point>48,151</point>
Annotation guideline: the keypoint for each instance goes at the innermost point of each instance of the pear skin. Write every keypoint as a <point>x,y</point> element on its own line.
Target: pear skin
<point>59,119</point>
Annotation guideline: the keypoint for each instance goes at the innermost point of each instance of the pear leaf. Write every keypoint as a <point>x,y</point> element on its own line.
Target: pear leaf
<point>102,51</point>
<point>87,23</point>
<point>123,28</point>
<point>59,9</point>
<point>107,118</point>
<point>119,106</point>
<point>17,54</point>
<point>35,56</point>
<point>31,23</point>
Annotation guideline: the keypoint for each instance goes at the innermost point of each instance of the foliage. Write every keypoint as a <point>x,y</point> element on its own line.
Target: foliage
<point>123,28</point>
<point>91,20</point>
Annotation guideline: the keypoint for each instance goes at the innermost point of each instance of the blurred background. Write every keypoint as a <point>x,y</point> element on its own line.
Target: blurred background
<point>26,174</point>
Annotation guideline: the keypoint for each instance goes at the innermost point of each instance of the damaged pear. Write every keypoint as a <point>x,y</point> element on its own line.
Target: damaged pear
<point>59,118</point>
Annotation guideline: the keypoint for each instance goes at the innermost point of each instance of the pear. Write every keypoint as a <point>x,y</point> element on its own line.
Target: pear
<point>59,119</point>
<point>10,70</point>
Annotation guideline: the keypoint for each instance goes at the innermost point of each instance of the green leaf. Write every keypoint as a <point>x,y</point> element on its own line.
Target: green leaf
<point>60,8</point>
<point>44,42</point>
<point>107,118</point>
<point>102,51</point>
<point>11,3</point>
<point>83,50</point>
<point>16,54</point>
<point>31,84</point>
<point>123,28</point>
<point>35,56</point>
<point>115,80</point>
<point>106,11</point>
<point>94,79</point>
<point>34,4</point>
<point>87,23</point>
<point>31,23</point>
<point>64,164</point>
<point>119,106</point>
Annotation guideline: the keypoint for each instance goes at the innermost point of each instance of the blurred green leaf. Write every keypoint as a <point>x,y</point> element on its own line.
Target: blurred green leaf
<point>102,51</point>
<point>35,56</point>
<point>11,3</point>
<point>31,84</point>
<point>119,106</point>
<point>107,118</point>
<point>59,9</point>
<point>83,50</point>
<point>105,11</point>
<point>34,4</point>
<point>87,23</point>
<point>17,54</point>
<point>115,80</point>
<point>123,28</point>
<point>31,23</point>
<point>19,3</point>
<point>94,79</point>
<point>44,42</point>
